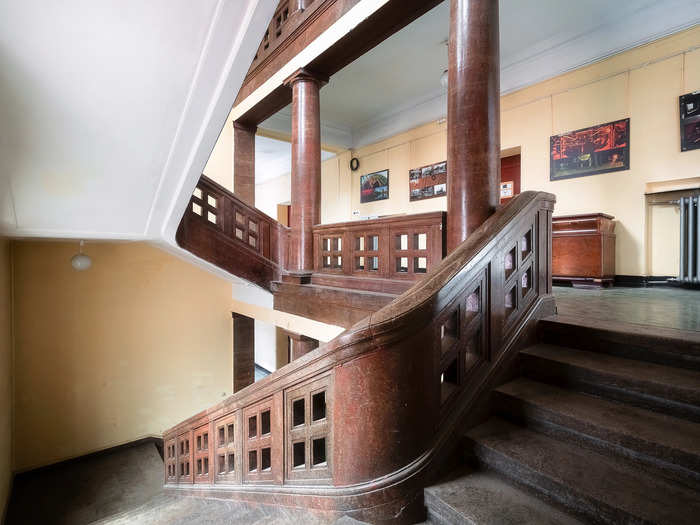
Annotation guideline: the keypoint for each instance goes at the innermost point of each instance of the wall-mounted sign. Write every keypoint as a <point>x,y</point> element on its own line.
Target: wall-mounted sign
<point>506,189</point>
<point>690,121</point>
<point>374,186</point>
<point>427,182</point>
<point>588,151</point>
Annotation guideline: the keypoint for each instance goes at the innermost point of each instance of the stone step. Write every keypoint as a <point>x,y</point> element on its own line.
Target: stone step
<point>597,487</point>
<point>660,441</point>
<point>666,389</point>
<point>665,346</point>
<point>485,498</point>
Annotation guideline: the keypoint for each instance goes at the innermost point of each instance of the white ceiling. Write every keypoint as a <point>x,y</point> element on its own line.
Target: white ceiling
<point>273,158</point>
<point>395,86</point>
<point>110,107</point>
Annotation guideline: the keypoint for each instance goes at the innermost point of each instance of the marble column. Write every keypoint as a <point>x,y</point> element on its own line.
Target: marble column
<point>473,117</point>
<point>244,162</point>
<point>306,168</point>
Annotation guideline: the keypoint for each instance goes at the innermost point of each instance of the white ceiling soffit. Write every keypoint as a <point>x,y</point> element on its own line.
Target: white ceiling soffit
<point>395,86</point>
<point>110,109</point>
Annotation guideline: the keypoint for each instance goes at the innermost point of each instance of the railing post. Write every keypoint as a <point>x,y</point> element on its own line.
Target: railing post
<point>473,117</point>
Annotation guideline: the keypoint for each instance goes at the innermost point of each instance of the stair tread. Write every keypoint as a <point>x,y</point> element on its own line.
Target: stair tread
<point>684,382</point>
<point>593,476</point>
<point>676,340</point>
<point>596,413</point>
<point>483,497</point>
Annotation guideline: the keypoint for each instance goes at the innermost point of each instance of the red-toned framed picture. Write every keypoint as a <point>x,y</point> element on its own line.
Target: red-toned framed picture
<point>589,151</point>
<point>374,186</point>
<point>690,121</point>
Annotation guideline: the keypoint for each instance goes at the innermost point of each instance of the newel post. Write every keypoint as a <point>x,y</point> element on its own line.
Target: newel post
<point>473,117</point>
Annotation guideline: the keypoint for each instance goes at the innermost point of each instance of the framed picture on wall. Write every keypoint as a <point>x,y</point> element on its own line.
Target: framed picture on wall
<point>589,151</point>
<point>427,182</point>
<point>374,186</point>
<point>690,121</point>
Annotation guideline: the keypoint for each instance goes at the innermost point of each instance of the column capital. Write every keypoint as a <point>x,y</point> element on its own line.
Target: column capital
<point>245,127</point>
<point>306,75</point>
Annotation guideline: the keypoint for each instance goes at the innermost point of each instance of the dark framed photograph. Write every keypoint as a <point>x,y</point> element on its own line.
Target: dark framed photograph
<point>690,121</point>
<point>589,151</point>
<point>427,182</point>
<point>374,186</point>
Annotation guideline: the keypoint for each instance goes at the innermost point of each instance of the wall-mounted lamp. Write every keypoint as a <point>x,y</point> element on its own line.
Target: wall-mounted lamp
<point>80,261</point>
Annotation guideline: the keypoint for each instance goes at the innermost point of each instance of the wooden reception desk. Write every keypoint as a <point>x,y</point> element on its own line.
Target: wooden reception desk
<point>583,249</point>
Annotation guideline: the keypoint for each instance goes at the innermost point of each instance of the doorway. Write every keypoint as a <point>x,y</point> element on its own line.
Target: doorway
<point>509,185</point>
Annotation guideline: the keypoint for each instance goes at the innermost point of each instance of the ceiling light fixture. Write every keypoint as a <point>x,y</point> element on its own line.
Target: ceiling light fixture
<point>80,261</point>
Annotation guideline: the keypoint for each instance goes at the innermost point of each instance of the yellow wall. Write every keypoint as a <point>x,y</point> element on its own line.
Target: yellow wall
<point>121,351</point>
<point>643,84</point>
<point>5,374</point>
<point>220,164</point>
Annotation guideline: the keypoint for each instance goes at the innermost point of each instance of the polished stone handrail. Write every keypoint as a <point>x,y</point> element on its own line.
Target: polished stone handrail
<point>390,391</point>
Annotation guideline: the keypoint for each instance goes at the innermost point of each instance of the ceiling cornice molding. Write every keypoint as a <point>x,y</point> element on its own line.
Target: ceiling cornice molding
<point>223,64</point>
<point>603,42</point>
<point>560,59</point>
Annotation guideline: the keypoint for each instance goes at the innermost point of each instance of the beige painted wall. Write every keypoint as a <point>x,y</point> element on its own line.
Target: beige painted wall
<point>121,351</point>
<point>642,84</point>
<point>220,164</point>
<point>5,374</point>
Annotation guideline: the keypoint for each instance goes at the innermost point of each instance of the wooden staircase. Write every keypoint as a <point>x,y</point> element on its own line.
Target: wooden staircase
<point>603,424</point>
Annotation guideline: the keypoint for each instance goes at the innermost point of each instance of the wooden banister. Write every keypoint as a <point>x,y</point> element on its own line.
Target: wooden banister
<point>222,229</point>
<point>360,424</point>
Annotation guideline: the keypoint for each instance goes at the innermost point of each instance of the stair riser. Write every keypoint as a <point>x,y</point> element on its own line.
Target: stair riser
<point>587,508</point>
<point>663,461</point>
<point>649,453</point>
<point>676,353</point>
<point>440,513</point>
<point>635,392</point>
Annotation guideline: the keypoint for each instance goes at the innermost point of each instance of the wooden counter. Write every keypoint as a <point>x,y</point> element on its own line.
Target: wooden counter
<point>583,249</point>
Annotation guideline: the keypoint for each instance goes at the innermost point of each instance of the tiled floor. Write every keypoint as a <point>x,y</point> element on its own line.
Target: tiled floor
<point>668,307</point>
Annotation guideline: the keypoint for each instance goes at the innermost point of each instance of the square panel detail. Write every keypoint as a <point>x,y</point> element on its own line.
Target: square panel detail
<point>299,414</point>
<point>318,404</point>
<point>509,263</point>
<point>526,281</point>
<point>420,265</point>
<point>318,452</point>
<point>510,302</point>
<point>449,331</point>
<point>299,455</point>
<point>373,243</point>
<point>420,241</point>
<point>402,264</point>
<point>526,245</point>
<point>402,241</point>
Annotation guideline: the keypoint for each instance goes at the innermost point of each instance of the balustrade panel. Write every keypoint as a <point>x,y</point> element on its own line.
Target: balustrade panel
<point>402,248</point>
<point>226,231</point>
